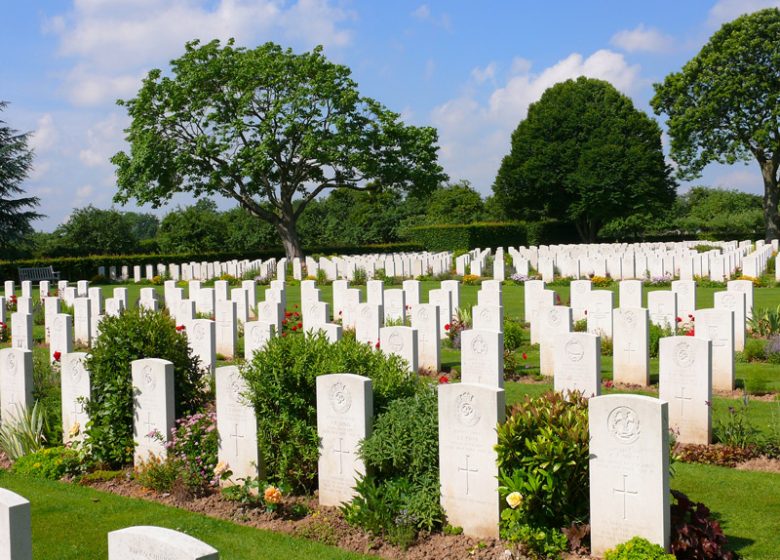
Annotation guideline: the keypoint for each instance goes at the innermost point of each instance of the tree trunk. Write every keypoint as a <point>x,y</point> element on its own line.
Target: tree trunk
<point>289,236</point>
<point>771,200</point>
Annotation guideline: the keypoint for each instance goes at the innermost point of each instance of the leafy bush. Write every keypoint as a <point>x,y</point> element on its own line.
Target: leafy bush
<point>720,455</point>
<point>47,390</point>
<point>23,433</point>
<point>737,430</point>
<point>543,469</point>
<point>755,350</point>
<point>695,535</point>
<point>52,463</point>
<point>282,388</point>
<point>133,335</point>
<point>513,334</point>
<point>638,549</point>
<point>400,494</point>
<point>600,281</point>
<point>193,449</point>
<point>656,334</point>
<point>772,350</point>
<point>156,473</point>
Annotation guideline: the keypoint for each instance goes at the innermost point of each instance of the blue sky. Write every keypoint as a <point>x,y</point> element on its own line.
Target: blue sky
<point>468,68</point>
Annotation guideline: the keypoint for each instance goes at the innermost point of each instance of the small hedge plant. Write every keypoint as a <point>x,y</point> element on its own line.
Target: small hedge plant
<point>282,388</point>
<point>543,470</point>
<point>51,463</point>
<point>400,494</point>
<point>638,549</point>
<point>133,335</point>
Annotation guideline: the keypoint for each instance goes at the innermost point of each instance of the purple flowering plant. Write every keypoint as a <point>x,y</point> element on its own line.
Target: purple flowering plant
<point>193,447</point>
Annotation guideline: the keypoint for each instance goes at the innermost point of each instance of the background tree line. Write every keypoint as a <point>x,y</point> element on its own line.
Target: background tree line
<point>357,218</point>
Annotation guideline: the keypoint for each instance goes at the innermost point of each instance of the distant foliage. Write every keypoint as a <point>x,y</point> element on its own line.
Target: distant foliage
<point>133,335</point>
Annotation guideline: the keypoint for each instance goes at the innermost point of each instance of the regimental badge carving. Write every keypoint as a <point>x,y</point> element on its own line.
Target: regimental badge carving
<point>683,355</point>
<point>629,317</point>
<point>11,363</point>
<point>554,316</point>
<point>199,332</point>
<point>366,312</point>
<point>340,398</point>
<point>148,377</point>
<point>257,335</point>
<point>235,388</point>
<point>396,342</point>
<point>574,350</point>
<point>75,369</point>
<point>623,424</point>
<point>485,314</point>
<point>728,300</point>
<point>422,313</point>
<point>467,412</point>
<point>478,345</point>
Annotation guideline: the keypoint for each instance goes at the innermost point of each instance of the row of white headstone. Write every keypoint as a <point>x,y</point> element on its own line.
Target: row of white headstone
<point>131,543</point>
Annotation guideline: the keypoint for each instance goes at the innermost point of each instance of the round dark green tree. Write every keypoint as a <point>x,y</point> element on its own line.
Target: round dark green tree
<point>586,156</point>
<point>133,335</point>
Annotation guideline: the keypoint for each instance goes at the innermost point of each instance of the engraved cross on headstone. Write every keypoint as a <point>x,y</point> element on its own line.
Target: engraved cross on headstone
<point>625,492</point>
<point>236,436</point>
<point>149,424</point>
<point>341,452</point>
<point>467,470</point>
<point>78,408</point>
<point>630,348</point>
<point>712,334</point>
<point>682,398</point>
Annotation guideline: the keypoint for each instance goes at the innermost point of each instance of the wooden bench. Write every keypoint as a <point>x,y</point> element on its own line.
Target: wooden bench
<point>37,274</point>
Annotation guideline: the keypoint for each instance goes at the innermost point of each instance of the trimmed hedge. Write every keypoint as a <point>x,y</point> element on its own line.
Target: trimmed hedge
<point>85,268</point>
<point>464,237</point>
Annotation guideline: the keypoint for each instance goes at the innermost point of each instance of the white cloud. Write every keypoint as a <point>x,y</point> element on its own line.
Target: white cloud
<point>742,179</point>
<point>423,13</point>
<point>104,139</point>
<point>45,134</point>
<point>727,10</point>
<point>642,39</point>
<point>84,192</point>
<point>482,75</point>
<point>474,135</point>
<point>430,68</point>
<point>116,42</point>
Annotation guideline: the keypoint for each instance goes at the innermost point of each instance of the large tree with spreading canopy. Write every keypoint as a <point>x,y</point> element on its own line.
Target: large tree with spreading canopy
<point>724,105</point>
<point>269,128</point>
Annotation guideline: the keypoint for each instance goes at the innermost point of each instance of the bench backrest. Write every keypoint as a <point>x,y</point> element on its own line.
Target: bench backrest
<point>38,273</point>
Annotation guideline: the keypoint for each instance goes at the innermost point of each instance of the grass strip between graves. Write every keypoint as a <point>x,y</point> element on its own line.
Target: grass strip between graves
<point>71,522</point>
<point>747,504</point>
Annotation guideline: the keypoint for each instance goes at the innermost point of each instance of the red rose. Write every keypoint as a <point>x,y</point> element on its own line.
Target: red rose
<point>525,356</point>
<point>295,328</point>
<point>287,313</point>
<point>57,355</point>
<point>679,320</point>
<point>300,325</point>
<point>180,327</point>
<point>447,327</point>
<point>376,345</point>
<point>444,379</point>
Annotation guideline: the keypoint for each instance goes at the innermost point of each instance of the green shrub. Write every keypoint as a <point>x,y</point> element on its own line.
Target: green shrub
<point>513,334</point>
<point>638,549</point>
<point>282,388</point>
<point>155,473</point>
<point>51,462</point>
<point>23,432</point>
<point>449,237</point>
<point>133,335</point>
<point>400,494</point>
<point>47,390</point>
<point>755,350</point>
<point>656,334</point>
<point>543,469</point>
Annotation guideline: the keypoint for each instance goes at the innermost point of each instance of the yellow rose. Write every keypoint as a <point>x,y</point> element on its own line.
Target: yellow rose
<point>74,430</point>
<point>514,499</point>
<point>272,495</point>
<point>221,468</point>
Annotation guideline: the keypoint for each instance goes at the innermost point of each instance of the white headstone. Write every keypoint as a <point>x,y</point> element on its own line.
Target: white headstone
<point>686,297</point>
<point>600,312</point>
<point>205,301</point>
<point>51,306</point>
<point>240,297</point>
<point>734,301</point>
<point>82,320</point>
<point>488,317</point>
<point>425,319</point>
<point>345,409</point>
<point>401,341</point>
<point>256,335</point>
<point>629,470</point>
<point>443,300</point>
<point>631,346</point>
<point>579,293</point>
<point>685,382</point>
<point>226,328</point>
<point>395,305</point>
<point>236,424</point>
<point>412,291</point>
<point>153,407</point>
<point>368,321</point>
<point>577,363</point>
<point>15,527</point>
<point>22,331</point>
<point>662,305</point>
<point>153,543</point>
<point>482,357</point>
<point>202,337</point>
<point>746,287</point>
<point>553,321</point>
<point>630,293</point>
<point>468,468</point>
<point>75,385</point>
<point>16,383</point>
<point>717,325</point>
<point>61,336</point>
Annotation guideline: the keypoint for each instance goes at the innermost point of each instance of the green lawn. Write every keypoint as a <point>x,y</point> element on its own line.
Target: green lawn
<point>71,522</point>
